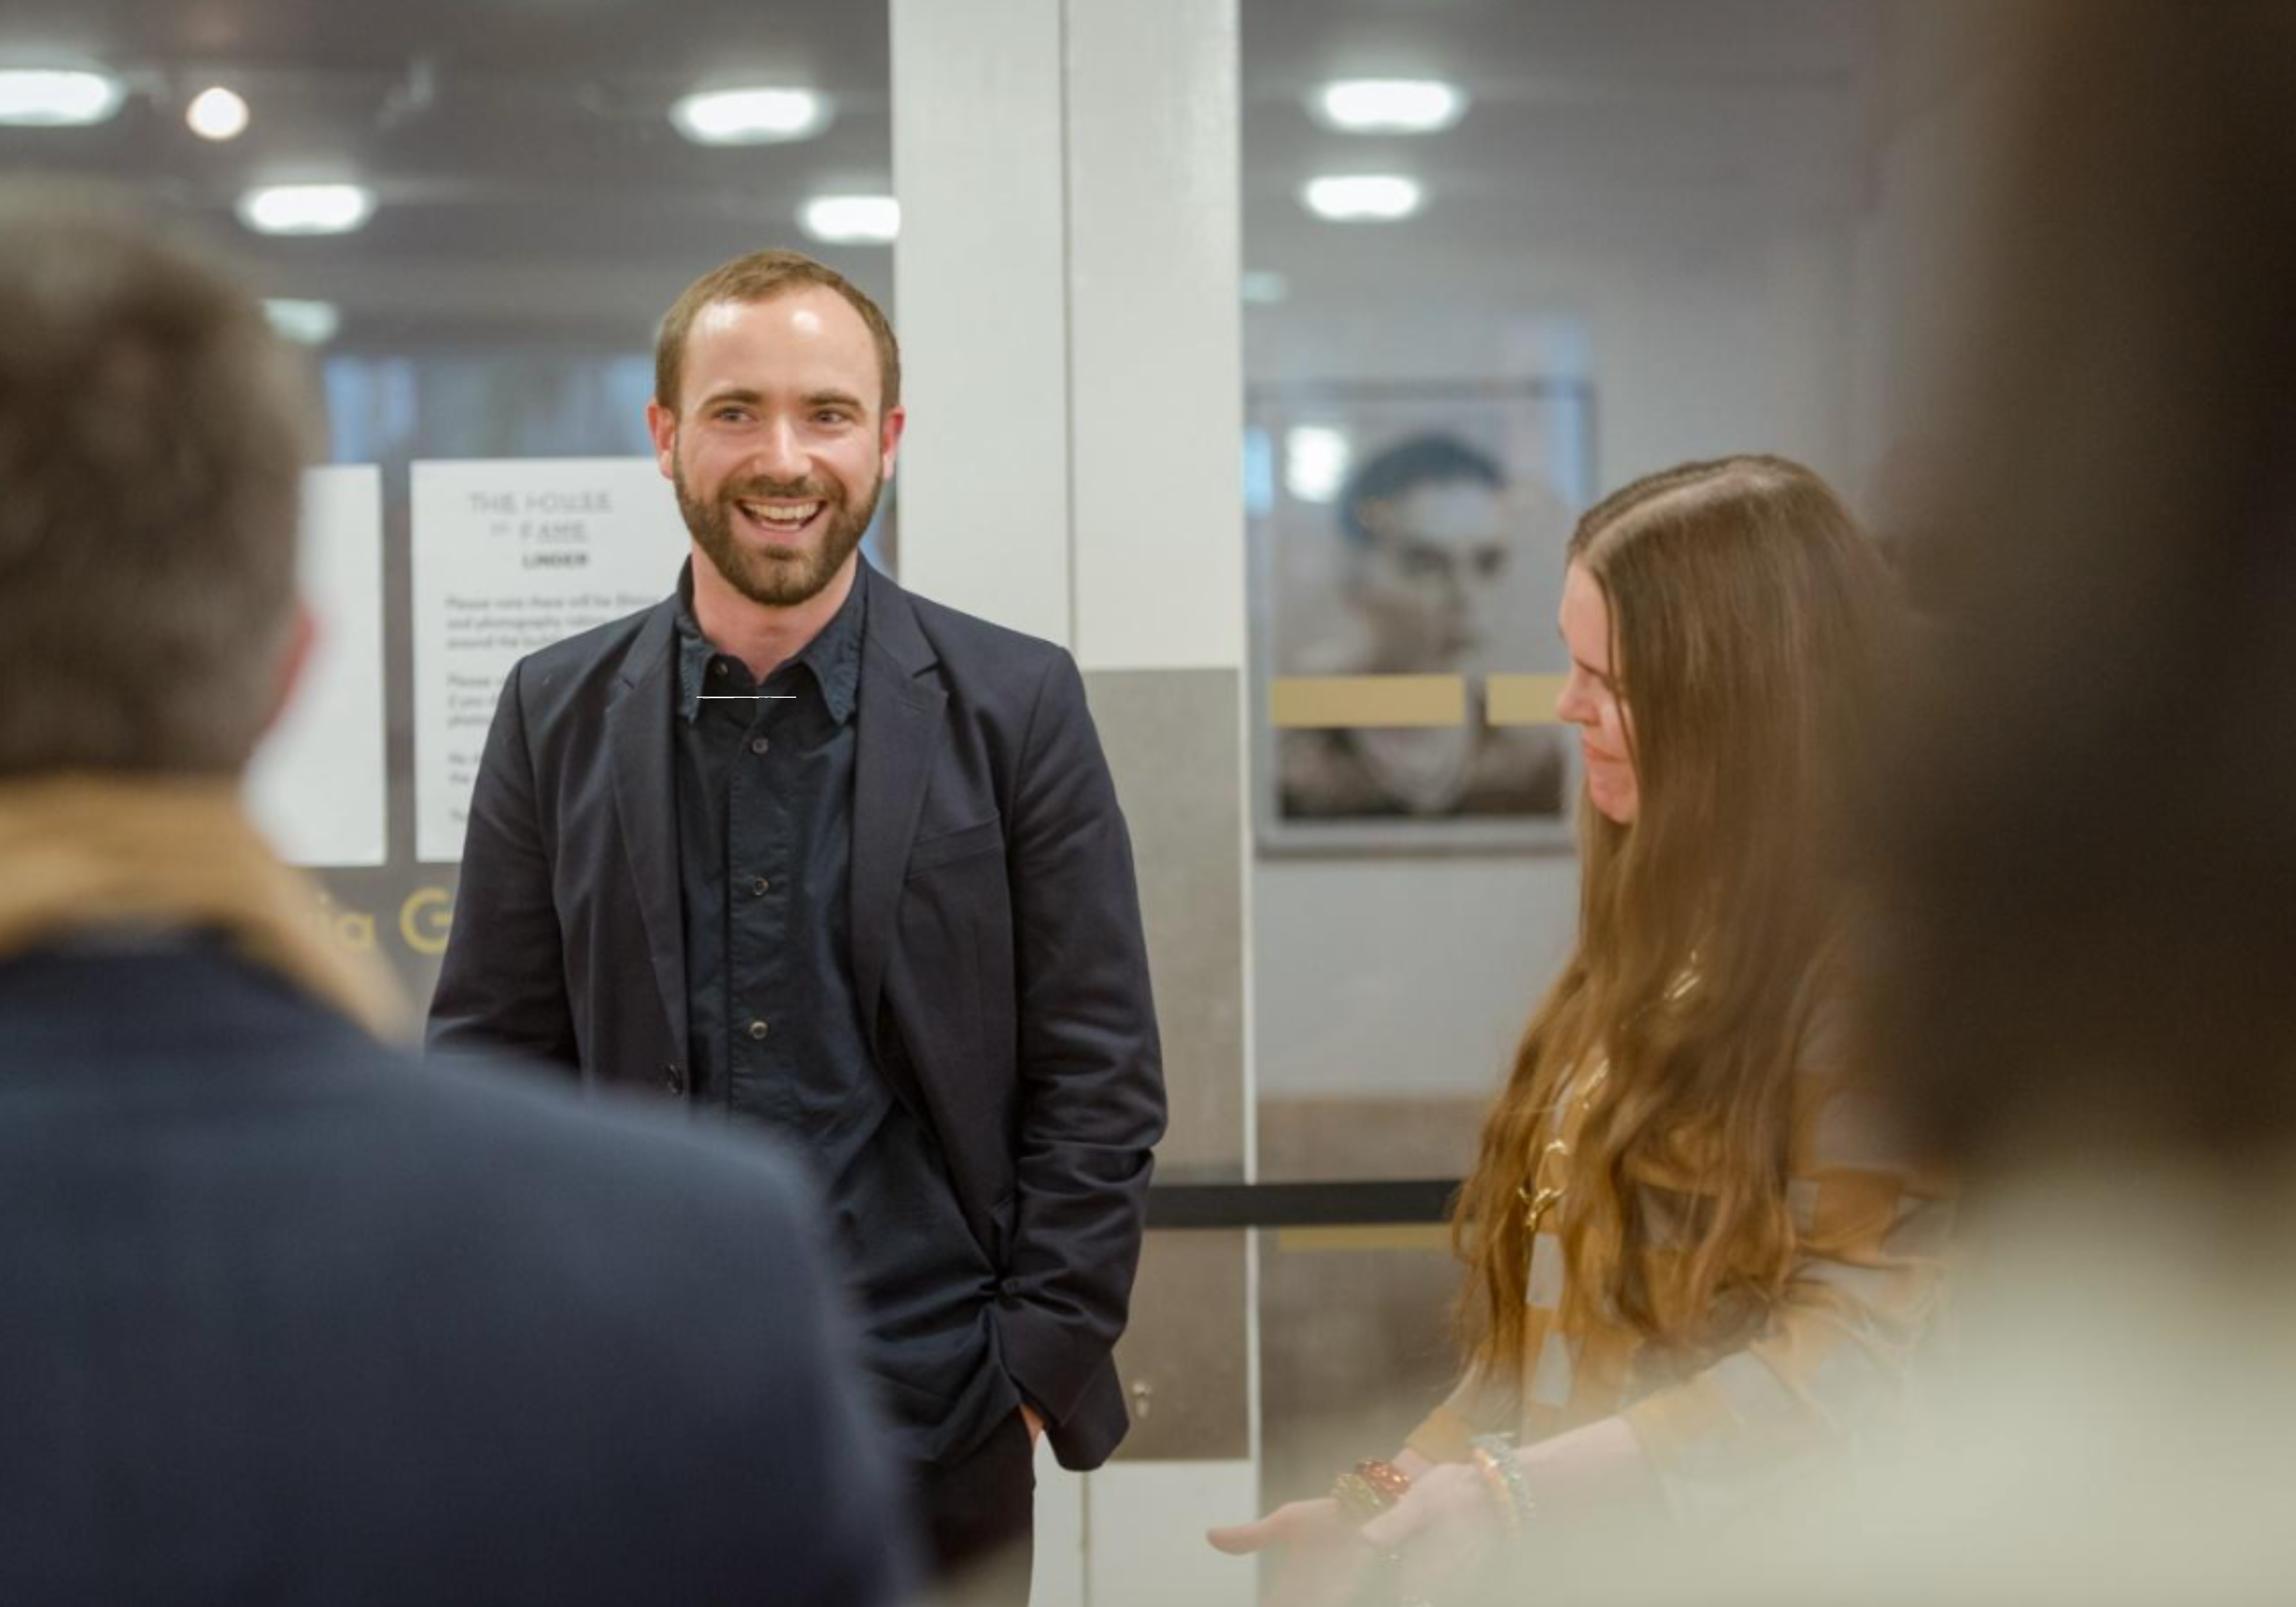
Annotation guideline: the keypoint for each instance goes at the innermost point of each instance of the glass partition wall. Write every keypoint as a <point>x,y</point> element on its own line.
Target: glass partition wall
<point>1499,259</point>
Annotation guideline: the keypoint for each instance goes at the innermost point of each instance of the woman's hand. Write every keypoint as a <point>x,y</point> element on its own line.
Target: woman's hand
<point>1446,1529</point>
<point>1325,1560</point>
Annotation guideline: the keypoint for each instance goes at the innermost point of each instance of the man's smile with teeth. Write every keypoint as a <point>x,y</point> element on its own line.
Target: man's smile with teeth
<point>787,516</point>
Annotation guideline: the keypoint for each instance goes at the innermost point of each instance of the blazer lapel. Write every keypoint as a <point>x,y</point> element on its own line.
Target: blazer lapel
<point>898,730</point>
<point>638,751</point>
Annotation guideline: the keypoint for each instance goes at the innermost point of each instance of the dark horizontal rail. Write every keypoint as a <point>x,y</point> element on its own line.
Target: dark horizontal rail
<point>1418,1200</point>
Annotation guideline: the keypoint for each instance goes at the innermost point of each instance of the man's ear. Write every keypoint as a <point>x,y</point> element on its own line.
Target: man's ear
<point>296,658</point>
<point>888,438</point>
<point>661,424</point>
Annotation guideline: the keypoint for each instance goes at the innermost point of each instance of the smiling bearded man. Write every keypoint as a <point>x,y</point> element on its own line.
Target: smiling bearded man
<point>829,859</point>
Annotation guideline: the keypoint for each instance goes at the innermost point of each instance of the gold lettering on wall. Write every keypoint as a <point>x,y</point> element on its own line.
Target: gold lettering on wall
<point>351,928</point>
<point>424,918</point>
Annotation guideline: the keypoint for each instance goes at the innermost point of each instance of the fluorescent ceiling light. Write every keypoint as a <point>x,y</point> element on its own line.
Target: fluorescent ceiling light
<point>851,219</point>
<point>57,97</point>
<point>1362,197</point>
<point>1391,105</point>
<point>307,209</point>
<point>1263,288</point>
<point>751,117</point>
<point>216,114</point>
<point>306,322</point>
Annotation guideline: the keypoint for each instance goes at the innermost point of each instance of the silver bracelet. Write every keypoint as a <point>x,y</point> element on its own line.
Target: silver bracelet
<point>1496,1455</point>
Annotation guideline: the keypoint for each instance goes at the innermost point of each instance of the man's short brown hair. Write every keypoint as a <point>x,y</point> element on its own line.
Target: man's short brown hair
<point>153,432</point>
<point>760,276</point>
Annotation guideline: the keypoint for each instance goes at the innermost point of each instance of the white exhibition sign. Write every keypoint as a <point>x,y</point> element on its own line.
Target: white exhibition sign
<point>510,556</point>
<point>316,786</point>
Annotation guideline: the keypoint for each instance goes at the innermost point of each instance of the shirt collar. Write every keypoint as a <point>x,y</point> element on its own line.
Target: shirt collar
<point>833,656</point>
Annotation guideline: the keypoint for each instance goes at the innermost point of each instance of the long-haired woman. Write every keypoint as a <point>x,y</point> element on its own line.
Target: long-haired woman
<point>1694,1267</point>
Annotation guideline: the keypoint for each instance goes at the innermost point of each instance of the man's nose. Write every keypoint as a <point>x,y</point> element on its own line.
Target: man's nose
<point>778,454</point>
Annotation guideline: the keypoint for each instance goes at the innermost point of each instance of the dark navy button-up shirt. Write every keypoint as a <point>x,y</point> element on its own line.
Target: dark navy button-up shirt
<point>765,824</point>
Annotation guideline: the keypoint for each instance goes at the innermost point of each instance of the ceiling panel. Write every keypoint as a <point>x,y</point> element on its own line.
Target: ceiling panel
<point>518,143</point>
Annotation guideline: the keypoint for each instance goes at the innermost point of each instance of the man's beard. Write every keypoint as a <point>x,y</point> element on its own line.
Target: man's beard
<point>776,576</point>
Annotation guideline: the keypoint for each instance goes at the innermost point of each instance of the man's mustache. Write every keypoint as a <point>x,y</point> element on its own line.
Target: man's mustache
<point>778,490</point>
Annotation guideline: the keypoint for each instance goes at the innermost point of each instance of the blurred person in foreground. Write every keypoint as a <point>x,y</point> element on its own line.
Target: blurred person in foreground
<point>1698,1268</point>
<point>2091,987</point>
<point>287,1316</point>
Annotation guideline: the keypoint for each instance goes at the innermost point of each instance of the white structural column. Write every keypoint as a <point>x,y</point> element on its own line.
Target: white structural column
<point>1066,291</point>
<point>1156,336</point>
<point>1066,285</point>
<point>981,295</point>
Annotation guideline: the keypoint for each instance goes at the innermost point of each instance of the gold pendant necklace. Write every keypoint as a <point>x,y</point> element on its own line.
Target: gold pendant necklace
<point>1550,1179</point>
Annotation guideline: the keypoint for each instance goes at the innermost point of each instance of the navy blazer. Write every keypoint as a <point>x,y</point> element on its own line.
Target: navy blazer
<point>996,948</point>
<point>287,1316</point>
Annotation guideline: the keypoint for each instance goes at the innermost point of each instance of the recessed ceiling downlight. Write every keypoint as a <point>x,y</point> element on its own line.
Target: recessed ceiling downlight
<point>1362,197</point>
<point>216,114</point>
<point>851,219</point>
<point>1390,105</point>
<point>307,209</point>
<point>757,115</point>
<point>57,97</point>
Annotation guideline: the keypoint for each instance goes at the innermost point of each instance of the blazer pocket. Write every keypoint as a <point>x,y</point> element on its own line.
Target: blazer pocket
<point>963,843</point>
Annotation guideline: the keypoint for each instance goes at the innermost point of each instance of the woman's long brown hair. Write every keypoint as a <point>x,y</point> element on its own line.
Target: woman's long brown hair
<point>1752,620</point>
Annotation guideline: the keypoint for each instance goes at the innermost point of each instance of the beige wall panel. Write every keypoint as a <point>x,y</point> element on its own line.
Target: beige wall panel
<point>1185,1361</point>
<point>1172,742</point>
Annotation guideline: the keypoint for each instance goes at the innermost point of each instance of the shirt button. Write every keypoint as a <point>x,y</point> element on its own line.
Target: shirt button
<point>718,668</point>
<point>1010,1286</point>
<point>673,1079</point>
<point>759,886</point>
<point>757,1030</point>
<point>758,744</point>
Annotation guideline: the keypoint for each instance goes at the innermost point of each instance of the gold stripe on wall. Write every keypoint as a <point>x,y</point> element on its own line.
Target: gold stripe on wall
<point>1524,699</point>
<point>1329,702</point>
<point>1413,1236</point>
